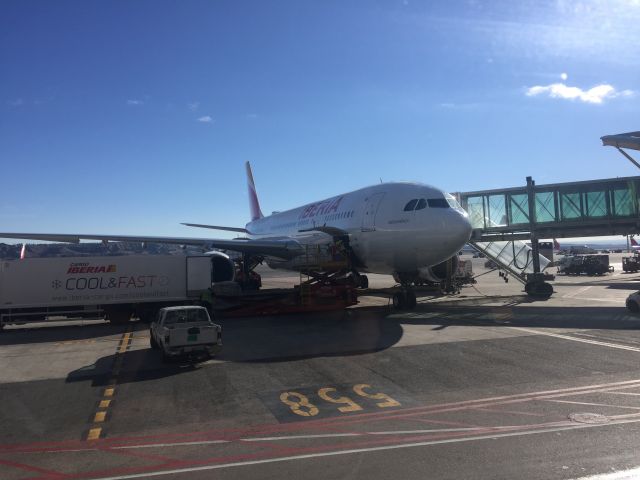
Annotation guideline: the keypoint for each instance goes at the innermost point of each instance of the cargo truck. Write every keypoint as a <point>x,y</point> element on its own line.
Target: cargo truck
<point>114,288</point>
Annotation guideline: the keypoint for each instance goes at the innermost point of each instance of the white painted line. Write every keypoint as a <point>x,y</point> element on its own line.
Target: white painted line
<point>608,300</point>
<point>300,437</point>
<point>632,474</point>
<point>576,292</point>
<point>359,450</point>
<point>593,404</point>
<point>176,444</point>
<point>434,430</point>
<point>575,339</point>
<point>621,393</point>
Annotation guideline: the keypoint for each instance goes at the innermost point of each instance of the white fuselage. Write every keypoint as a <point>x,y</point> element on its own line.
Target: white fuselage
<point>385,237</point>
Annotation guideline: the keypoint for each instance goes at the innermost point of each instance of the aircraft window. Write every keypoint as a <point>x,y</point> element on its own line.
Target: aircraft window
<point>422,203</point>
<point>411,205</point>
<point>438,203</point>
<point>453,203</point>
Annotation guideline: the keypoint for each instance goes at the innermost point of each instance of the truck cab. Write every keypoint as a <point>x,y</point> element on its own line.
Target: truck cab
<point>185,330</point>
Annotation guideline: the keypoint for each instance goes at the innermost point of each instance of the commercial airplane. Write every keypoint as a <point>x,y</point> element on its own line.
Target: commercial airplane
<point>408,230</point>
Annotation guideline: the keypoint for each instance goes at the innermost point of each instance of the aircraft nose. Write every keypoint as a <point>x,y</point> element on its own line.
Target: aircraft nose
<point>460,228</point>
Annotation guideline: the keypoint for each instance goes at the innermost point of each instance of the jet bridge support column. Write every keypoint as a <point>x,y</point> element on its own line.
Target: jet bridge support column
<point>535,286</point>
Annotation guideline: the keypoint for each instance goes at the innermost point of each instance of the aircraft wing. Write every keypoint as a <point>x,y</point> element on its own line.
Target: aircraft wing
<point>622,140</point>
<point>283,248</point>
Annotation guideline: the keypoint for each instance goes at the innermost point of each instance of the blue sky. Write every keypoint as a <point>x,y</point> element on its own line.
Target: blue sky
<point>132,116</point>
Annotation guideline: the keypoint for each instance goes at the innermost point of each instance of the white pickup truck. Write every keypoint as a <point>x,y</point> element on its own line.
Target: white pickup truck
<point>185,330</point>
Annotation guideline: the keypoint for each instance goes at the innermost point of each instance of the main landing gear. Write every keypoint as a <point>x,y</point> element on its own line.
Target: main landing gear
<point>405,299</point>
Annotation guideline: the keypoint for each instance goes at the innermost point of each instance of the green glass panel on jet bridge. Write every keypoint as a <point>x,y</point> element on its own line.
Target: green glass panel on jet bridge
<point>518,209</point>
<point>475,209</point>
<point>545,207</point>
<point>497,210</point>
<point>595,204</point>
<point>570,206</point>
<point>622,202</point>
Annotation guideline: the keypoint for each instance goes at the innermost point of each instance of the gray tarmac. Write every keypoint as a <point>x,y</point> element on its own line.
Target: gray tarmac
<point>485,384</point>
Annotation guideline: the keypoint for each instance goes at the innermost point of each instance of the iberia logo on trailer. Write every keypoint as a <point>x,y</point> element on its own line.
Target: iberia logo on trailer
<point>87,268</point>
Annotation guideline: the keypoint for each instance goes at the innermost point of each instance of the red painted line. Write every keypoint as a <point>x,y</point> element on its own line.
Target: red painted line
<point>337,422</point>
<point>448,422</point>
<point>513,412</point>
<point>306,450</point>
<point>133,453</point>
<point>31,468</point>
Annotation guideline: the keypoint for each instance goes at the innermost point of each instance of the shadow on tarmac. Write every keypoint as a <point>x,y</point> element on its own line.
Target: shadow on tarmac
<point>72,330</point>
<point>262,340</point>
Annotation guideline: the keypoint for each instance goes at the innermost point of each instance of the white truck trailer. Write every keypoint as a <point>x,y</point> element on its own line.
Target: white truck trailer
<point>116,288</point>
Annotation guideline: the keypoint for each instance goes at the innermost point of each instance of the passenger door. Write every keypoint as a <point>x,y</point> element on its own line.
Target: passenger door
<point>370,211</point>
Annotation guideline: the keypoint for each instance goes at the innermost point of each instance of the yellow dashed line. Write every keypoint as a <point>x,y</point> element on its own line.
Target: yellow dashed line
<point>101,415</point>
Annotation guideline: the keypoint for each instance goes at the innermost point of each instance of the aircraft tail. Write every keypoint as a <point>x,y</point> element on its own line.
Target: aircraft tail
<point>633,242</point>
<point>254,205</point>
<point>556,245</point>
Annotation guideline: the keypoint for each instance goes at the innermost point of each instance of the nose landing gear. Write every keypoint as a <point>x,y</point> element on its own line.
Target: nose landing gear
<point>405,299</point>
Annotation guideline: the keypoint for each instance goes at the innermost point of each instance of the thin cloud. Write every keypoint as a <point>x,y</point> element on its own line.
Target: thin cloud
<point>205,119</point>
<point>193,106</point>
<point>18,102</point>
<point>597,94</point>
<point>135,103</point>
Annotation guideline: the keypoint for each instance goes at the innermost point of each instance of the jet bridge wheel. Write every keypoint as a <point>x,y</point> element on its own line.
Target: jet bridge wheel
<point>542,290</point>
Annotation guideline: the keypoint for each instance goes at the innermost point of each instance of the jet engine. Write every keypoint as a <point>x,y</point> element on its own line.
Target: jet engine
<point>222,267</point>
<point>438,273</point>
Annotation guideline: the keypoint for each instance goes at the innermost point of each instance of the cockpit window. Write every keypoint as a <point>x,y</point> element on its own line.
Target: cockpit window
<point>438,203</point>
<point>422,203</point>
<point>411,205</point>
<point>453,203</point>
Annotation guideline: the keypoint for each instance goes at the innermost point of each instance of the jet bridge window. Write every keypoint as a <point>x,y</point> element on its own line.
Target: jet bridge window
<point>438,203</point>
<point>411,205</point>
<point>422,203</point>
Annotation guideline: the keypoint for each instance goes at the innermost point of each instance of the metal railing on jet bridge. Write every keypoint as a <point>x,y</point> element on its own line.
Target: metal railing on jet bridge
<point>514,256</point>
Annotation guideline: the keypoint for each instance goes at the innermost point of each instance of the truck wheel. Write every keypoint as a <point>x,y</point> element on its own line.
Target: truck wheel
<point>152,342</point>
<point>119,317</point>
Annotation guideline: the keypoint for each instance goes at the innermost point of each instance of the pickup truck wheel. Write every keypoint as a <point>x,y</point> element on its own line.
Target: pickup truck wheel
<point>152,342</point>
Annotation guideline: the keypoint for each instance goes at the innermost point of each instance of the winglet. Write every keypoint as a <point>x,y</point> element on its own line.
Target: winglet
<point>254,205</point>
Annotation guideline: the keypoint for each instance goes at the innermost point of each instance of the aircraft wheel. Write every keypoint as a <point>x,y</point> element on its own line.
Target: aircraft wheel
<point>398,301</point>
<point>411,300</point>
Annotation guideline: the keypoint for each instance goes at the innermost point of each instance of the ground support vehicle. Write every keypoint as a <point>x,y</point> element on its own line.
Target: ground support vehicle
<point>231,301</point>
<point>630,264</point>
<point>633,302</point>
<point>185,331</point>
<point>594,264</point>
<point>113,287</point>
<point>464,272</point>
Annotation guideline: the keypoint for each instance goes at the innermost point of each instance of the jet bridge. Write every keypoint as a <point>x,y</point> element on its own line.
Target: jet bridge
<point>503,218</point>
